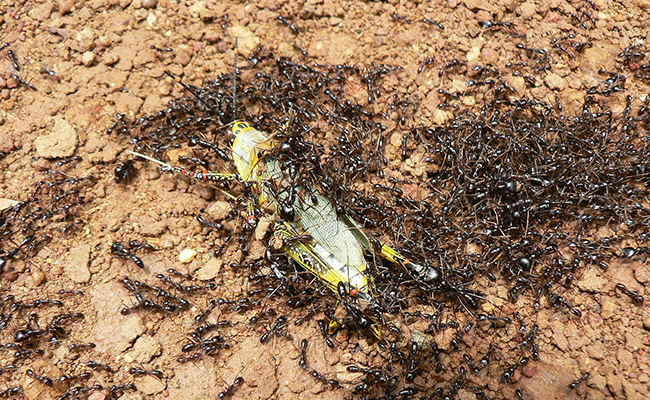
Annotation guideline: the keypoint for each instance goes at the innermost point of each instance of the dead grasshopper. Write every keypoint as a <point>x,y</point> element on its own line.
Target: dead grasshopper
<point>330,246</point>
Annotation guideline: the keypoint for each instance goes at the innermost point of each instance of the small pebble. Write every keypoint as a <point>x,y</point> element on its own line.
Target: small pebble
<point>88,58</point>
<point>12,83</point>
<point>186,256</point>
<point>111,59</point>
<point>97,396</point>
<point>555,82</point>
<point>149,384</point>
<point>7,203</point>
<point>149,4</point>
<point>646,322</point>
<point>209,270</point>
<point>608,309</point>
<point>218,210</point>
<point>37,277</point>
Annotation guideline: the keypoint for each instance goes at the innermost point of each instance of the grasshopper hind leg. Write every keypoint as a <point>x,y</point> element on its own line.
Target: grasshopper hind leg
<point>427,274</point>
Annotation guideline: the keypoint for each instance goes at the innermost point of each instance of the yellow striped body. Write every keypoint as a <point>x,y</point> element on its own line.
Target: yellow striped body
<point>334,253</point>
<point>246,146</point>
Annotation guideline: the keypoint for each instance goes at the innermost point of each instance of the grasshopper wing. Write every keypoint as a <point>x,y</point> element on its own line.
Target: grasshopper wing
<point>318,260</point>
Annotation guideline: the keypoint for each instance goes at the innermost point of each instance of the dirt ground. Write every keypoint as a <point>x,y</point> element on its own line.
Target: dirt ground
<point>77,64</point>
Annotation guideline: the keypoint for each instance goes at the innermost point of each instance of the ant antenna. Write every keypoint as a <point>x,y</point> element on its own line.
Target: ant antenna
<point>234,83</point>
<point>192,91</point>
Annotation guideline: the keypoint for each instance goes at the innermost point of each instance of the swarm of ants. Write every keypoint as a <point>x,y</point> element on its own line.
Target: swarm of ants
<point>509,181</point>
<point>511,193</point>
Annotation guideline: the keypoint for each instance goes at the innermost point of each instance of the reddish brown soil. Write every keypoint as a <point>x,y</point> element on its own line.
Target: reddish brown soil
<point>101,54</point>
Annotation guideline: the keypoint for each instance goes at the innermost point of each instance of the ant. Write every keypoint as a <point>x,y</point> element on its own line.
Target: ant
<point>349,298</point>
<point>277,328</point>
<point>133,287</point>
<point>80,390</point>
<point>28,335</point>
<point>318,376</point>
<point>11,392</point>
<point>495,24</point>
<point>637,299</point>
<point>322,327</point>
<point>23,82</point>
<point>221,153</point>
<point>576,382</point>
<point>284,21</point>
<point>161,50</point>
<point>8,368</point>
<point>7,256</point>
<point>138,371</point>
<point>120,250</point>
<point>434,23</point>
<point>14,60</point>
<point>120,125</point>
<point>303,354</point>
<point>99,367</point>
<point>124,172</point>
<point>230,389</point>
<point>116,391</point>
<point>396,17</point>
<point>193,357</point>
<point>68,291</point>
<point>48,72</point>
<point>452,64</point>
<point>43,379</point>
<point>68,161</point>
<point>509,372</point>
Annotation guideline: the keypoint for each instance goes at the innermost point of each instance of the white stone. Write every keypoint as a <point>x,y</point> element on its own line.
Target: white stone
<point>186,256</point>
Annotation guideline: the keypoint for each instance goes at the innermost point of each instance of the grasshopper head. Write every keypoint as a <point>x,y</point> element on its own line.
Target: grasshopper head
<point>237,128</point>
<point>247,143</point>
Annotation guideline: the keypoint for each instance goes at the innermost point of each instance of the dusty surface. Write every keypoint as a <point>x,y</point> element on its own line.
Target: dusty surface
<point>101,62</point>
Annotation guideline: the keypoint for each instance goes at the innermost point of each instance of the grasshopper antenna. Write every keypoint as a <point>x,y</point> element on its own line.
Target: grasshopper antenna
<point>234,84</point>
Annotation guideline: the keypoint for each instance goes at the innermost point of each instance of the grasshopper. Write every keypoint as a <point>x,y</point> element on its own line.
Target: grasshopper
<point>330,246</point>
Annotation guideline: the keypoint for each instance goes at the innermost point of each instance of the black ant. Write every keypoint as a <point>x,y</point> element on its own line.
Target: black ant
<point>99,367</point>
<point>138,371</point>
<point>288,24</point>
<point>277,328</point>
<point>637,299</point>
<point>576,382</point>
<point>120,250</point>
<point>303,354</point>
<point>124,172</point>
<point>14,60</point>
<point>231,388</point>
